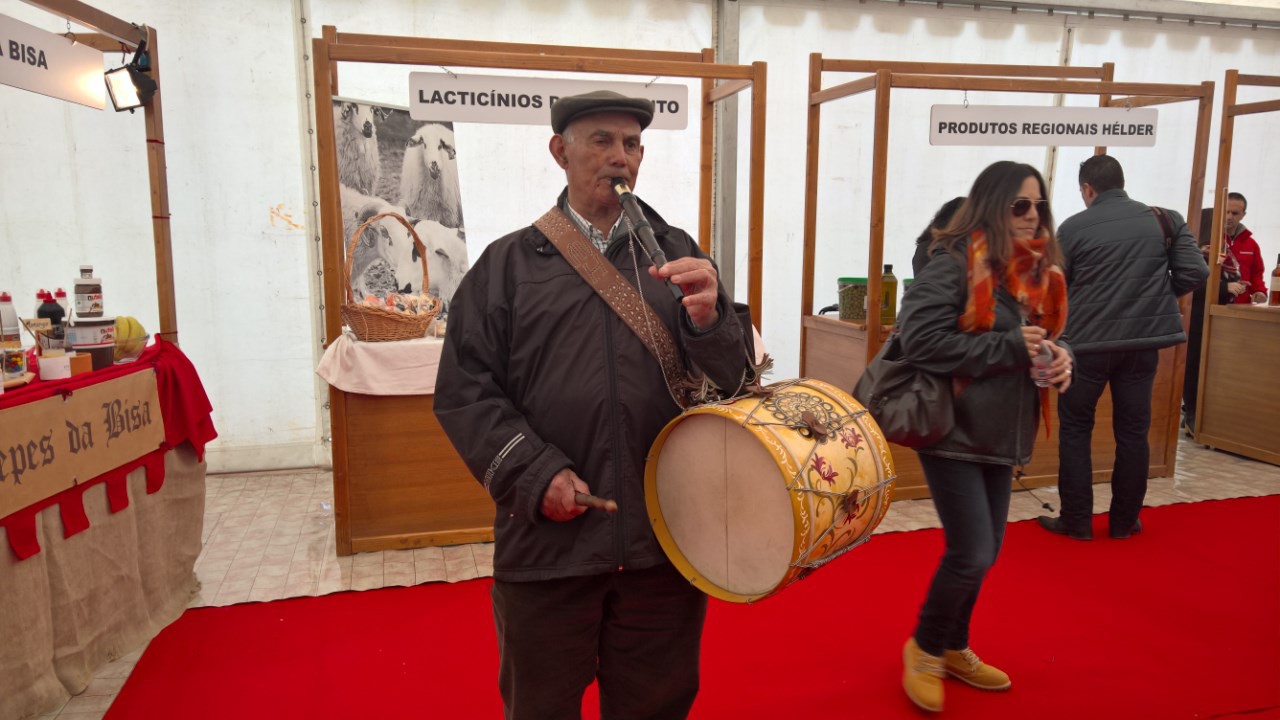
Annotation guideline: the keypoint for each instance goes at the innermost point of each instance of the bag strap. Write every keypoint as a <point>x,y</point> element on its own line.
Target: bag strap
<point>1166,225</point>
<point>620,295</point>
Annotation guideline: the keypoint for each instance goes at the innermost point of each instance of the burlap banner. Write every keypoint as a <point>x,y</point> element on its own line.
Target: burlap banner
<point>50,445</point>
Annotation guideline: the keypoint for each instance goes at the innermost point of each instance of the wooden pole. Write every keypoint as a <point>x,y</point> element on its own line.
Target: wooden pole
<point>326,86</point>
<point>1226,137</point>
<point>811,159</point>
<point>330,196</point>
<point>1199,160</point>
<point>160,228</point>
<point>330,34</point>
<point>89,16</point>
<point>755,210</point>
<point>1108,75</point>
<point>879,173</point>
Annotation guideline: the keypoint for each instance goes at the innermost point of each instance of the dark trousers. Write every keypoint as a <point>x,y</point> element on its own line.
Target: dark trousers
<point>972,500</point>
<point>1191,376</point>
<point>1130,375</point>
<point>638,633</point>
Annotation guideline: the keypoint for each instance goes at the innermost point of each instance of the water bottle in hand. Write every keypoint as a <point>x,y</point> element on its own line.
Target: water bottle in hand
<point>1040,366</point>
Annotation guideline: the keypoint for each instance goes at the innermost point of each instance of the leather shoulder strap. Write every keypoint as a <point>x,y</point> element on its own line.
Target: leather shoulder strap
<point>620,295</point>
<point>1166,225</point>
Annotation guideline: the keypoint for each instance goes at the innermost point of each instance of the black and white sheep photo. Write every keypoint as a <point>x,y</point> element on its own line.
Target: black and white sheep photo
<point>357,144</point>
<point>429,176</point>
<point>418,180</point>
<point>446,257</point>
<point>378,264</point>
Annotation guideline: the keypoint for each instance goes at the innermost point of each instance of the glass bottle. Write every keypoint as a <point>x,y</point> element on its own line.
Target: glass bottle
<point>888,296</point>
<point>1274,299</point>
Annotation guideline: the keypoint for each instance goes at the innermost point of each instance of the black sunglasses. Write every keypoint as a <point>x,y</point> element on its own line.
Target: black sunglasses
<point>1022,205</point>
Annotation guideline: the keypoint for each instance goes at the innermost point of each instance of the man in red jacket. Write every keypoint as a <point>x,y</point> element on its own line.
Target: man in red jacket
<point>1243,257</point>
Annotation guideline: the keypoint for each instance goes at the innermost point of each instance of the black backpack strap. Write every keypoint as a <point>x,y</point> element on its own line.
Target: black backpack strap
<point>1166,225</point>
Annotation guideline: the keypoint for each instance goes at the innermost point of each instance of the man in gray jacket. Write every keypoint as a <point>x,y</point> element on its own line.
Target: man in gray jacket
<point>1126,268</point>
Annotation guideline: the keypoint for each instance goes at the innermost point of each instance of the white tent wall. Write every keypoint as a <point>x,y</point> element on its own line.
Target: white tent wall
<point>1182,54</point>
<point>234,84</point>
<point>922,177</point>
<point>75,190</point>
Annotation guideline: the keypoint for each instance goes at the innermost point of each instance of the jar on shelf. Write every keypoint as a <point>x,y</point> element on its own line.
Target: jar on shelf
<point>853,298</point>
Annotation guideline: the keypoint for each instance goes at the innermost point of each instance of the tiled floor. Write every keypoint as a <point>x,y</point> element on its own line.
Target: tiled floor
<point>271,536</point>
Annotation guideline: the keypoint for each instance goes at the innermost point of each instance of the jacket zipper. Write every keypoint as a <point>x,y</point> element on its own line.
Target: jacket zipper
<point>615,437</point>
<point>1019,469</point>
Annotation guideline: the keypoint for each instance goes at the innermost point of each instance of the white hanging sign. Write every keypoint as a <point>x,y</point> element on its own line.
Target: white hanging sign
<point>50,64</point>
<point>448,97</point>
<point>1040,125</point>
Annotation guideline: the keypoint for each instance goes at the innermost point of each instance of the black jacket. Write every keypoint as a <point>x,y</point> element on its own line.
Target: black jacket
<point>998,413</point>
<point>539,374</point>
<point>1122,284</point>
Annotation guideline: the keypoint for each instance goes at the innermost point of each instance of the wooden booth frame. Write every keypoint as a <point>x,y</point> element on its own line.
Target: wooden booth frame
<point>838,351</point>
<point>1228,387</point>
<point>431,499</point>
<point>116,35</point>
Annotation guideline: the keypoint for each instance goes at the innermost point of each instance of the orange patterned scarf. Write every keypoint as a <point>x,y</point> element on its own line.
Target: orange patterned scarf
<point>1039,288</point>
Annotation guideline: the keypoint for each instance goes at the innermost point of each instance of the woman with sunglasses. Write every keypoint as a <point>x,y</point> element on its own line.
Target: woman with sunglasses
<point>991,298</point>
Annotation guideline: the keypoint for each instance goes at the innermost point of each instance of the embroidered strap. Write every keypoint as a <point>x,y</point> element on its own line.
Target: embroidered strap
<point>621,296</point>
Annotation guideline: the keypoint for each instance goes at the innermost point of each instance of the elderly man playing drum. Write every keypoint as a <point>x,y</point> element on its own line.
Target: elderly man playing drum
<point>552,389</point>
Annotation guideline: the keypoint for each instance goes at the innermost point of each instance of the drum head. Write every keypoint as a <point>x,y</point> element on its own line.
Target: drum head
<point>725,507</point>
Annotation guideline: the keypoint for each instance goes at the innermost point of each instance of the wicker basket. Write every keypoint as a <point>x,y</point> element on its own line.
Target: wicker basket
<point>377,324</point>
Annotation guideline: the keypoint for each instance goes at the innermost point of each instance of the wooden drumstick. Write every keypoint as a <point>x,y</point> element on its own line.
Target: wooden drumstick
<point>592,501</point>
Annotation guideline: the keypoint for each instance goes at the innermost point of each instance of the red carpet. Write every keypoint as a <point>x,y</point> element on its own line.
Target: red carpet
<point>1182,621</point>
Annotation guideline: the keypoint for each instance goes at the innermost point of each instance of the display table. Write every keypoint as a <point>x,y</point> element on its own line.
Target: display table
<point>397,481</point>
<point>835,352</point>
<point>93,572</point>
<point>1240,398</point>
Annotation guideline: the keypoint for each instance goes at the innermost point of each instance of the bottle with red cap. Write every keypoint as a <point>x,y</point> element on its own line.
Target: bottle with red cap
<point>10,332</point>
<point>53,312</point>
<point>60,297</point>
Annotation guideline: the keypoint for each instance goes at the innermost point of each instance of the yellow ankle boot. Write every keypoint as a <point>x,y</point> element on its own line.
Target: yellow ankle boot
<point>922,676</point>
<point>965,665</point>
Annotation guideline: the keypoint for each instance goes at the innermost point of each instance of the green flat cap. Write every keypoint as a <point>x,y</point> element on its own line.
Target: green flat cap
<point>567,109</point>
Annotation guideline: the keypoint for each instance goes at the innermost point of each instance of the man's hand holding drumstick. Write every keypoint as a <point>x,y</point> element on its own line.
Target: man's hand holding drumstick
<point>568,496</point>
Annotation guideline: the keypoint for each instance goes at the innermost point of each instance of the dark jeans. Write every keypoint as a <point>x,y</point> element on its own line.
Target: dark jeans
<point>1130,375</point>
<point>638,633</point>
<point>1191,375</point>
<point>972,500</point>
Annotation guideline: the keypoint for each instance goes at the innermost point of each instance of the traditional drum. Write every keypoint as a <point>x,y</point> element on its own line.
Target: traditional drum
<point>749,495</point>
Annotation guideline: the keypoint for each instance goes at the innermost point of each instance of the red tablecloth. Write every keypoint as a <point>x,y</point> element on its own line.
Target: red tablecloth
<point>184,408</point>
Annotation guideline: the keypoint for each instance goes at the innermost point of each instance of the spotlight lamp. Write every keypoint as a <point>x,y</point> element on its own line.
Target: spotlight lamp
<point>129,85</point>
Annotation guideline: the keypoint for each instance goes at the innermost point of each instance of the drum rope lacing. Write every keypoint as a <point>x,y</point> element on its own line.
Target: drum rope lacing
<point>868,491</point>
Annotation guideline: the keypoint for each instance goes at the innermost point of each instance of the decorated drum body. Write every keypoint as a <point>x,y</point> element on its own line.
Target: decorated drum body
<point>747,496</point>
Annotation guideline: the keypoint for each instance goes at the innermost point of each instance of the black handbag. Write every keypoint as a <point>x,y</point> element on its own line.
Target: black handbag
<point>913,408</point>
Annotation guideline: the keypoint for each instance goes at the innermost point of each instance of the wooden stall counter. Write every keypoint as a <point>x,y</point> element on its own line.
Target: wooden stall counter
<point>1240,398</point>
<point>835,351</point>
<point>397,481</point>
